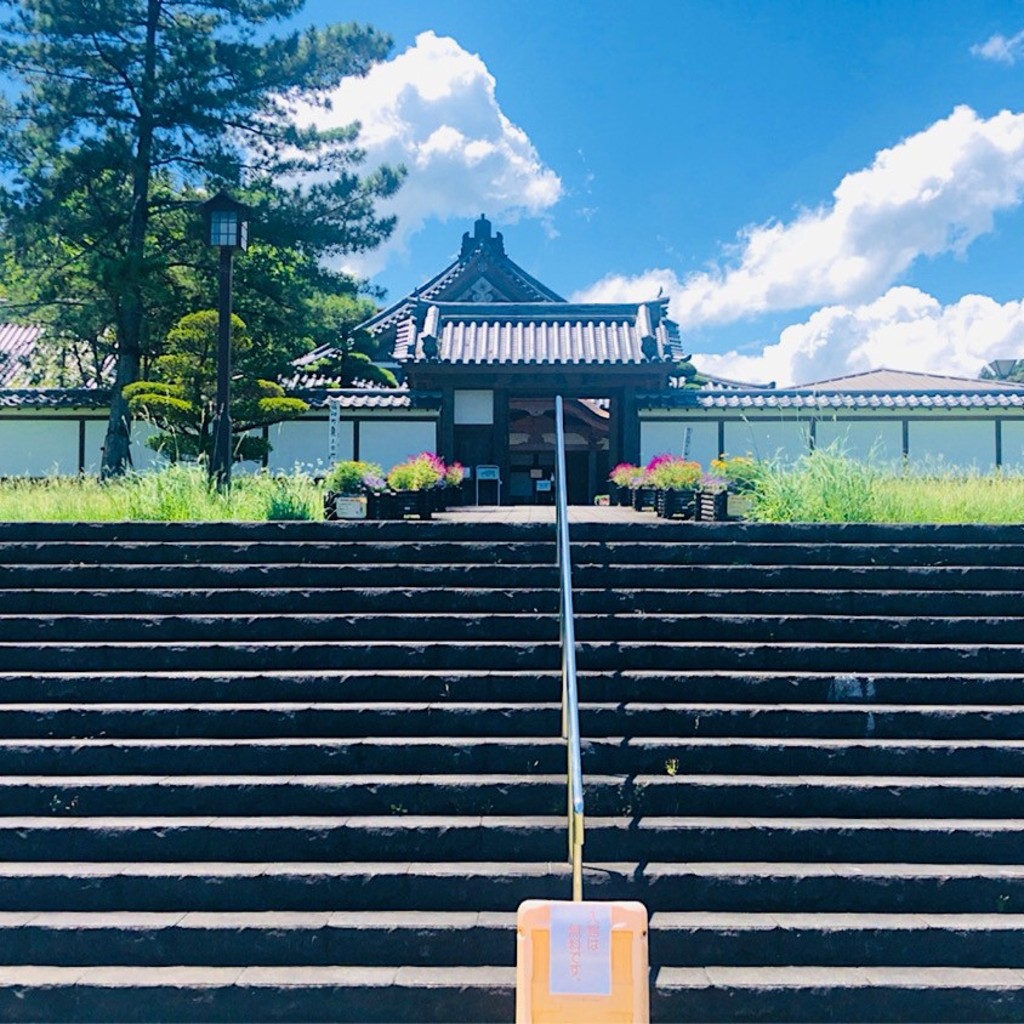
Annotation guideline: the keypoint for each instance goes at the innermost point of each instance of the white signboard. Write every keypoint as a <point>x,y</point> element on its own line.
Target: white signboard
<point>581,949</point>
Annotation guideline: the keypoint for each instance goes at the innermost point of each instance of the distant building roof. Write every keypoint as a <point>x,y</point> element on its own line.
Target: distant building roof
<point>54,398</point>
<point>811,399</point>
<point>372,398</point>
<point>17,345</point>
<point>884,379</point>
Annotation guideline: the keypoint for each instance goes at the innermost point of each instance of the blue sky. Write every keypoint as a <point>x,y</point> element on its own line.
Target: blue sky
<point>819,187</point>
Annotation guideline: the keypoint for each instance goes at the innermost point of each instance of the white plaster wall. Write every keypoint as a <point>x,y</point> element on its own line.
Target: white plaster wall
<point>785,440</point>
<point>474,407</point>
<point>143,457</point>
<point>390,441</point>
<point>658,436</point>
<point>1013,445</point>
<point>302,444</point>
<point>952,444</point>
<point>877,441</point>
<point>30,447</point>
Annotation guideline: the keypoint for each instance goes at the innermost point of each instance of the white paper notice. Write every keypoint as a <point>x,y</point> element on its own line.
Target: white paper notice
<point>581,949</point>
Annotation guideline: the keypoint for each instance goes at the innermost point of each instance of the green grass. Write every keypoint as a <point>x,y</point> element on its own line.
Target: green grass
<point>828,487</point>
<point>176,494</point>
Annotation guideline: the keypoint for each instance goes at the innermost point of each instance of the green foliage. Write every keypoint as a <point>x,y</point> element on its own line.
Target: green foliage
<point>670,473</point>
<point>419,473</point>
<point>182,404</point>
<point>176,494</point>
<point>118,117</point>
<point>354,477</point>
<point>827,486</point>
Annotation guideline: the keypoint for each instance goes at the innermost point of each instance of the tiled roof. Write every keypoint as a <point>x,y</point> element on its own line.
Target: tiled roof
<point>482,273</point>
<point>807,399</point>
<point>377,398</point>
<point>884,379</point>
<point>17,343</point>
<point>54,398</point>
<point>539,333</point>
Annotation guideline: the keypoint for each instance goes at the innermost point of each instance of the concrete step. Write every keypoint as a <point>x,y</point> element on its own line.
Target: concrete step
<point>499,886</point>
<point>805,993</point>
<point>669,795</point>
<point>310,993</point>
<point>440,938</point>
<point>523,625</point>
<point>265,938</point>
<point>413,837</point>
<point>660,755</point>
<point>969,689</point>
<point>679,720</point>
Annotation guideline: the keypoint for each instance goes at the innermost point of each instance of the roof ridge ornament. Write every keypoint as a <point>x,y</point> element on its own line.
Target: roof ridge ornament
<point>482,239</point>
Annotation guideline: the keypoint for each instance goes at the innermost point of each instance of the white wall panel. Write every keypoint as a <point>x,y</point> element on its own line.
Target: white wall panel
<point>1013,445</point>
<point>303,445</point>
<point>38,447</point>
<point>658,436</point>
<point>952,444</point>
<point>784,440</point>
<point>877,441</point>
<point>474,407</point>
<point>390,441</point>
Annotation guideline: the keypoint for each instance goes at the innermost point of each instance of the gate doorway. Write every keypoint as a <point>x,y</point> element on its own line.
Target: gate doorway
<point>531,449</point>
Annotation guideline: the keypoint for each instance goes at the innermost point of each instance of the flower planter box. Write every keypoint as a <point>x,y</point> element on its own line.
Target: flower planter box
<point>712,506</point>
<point>645,498</point>
<point>676,504</point>
<point>621,496</point>
<point>399,504</point>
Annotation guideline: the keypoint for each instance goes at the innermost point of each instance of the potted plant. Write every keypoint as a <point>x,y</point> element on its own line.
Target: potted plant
<point>625,478</point>
<point>740,473</point>
<point>676,481</point>
<point>455,473</point>
<point>348,485</point>
<point>412,483</point>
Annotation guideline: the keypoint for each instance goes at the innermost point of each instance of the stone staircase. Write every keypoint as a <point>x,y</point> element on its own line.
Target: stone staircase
<point>307,772</point>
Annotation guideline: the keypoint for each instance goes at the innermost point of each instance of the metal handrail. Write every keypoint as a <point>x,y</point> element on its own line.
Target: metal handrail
<point>567,635</point>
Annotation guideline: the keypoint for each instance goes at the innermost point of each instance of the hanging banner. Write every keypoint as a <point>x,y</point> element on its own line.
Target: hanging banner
<point>333,429</point>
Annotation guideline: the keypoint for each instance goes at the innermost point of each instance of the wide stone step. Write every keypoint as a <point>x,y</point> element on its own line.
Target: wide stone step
<point>672,795</point>
<point>217,576</point>
<point>694,939</point>
<point>512,755</point>
<point>340,600</point>
<point>311,993</point>
<point>440,938</point>
<point>331,886</point>
<point>322,719</point>
<point>255,655</point>
<point>338,552</point>
<point>522,625</point>
<point>807,993</point>
<point>412,837</point>
<point>537,686</point>
<point>266,938</point>
<point>315,887</point>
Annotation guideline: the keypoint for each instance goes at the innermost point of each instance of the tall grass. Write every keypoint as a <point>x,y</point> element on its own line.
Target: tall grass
<point>826,486</point>
<point>178,493</point>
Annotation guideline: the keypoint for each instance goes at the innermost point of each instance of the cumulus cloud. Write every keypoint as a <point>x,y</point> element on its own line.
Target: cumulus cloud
<point>905,328</point>
<point>434,109</point>
<point>1000,48</point>
<point>933,193</point>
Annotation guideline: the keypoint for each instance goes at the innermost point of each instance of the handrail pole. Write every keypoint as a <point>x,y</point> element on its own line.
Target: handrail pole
<point>570,692</point>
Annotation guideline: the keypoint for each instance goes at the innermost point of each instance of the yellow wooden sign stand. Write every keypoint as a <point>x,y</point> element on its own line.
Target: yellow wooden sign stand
<point>581,962</point>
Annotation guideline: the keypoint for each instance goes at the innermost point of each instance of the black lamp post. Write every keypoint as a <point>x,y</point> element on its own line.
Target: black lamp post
<point>228,229</point>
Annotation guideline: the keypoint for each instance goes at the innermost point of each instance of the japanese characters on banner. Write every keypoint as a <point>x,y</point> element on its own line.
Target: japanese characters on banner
<point>581,949</point>
<point>333,428</point>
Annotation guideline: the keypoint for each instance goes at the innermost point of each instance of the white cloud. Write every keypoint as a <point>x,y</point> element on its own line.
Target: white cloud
<point>905,329</point>
<point>1000,49</point>
<point>932,193</point>
<point>434,109</point>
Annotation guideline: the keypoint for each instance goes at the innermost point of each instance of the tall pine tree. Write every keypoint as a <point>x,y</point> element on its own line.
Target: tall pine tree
<point>123,104</point>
